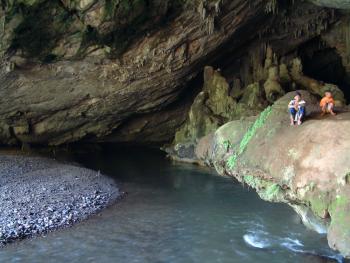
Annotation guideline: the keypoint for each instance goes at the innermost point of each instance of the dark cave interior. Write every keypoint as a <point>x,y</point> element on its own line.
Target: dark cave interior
<point>325,64</point>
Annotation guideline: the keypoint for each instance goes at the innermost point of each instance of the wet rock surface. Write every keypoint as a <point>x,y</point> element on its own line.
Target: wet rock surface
<point>39,195</point>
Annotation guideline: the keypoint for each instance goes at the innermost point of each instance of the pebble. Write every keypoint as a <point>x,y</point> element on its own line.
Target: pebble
<point>40,195</point>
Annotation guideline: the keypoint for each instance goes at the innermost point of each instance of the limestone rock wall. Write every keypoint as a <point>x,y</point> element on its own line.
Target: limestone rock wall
<point>215,106</point>
<point>121,70</point>
<point>80,79</point>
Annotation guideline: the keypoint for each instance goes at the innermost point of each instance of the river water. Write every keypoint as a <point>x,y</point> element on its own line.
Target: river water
<point>176,213</point>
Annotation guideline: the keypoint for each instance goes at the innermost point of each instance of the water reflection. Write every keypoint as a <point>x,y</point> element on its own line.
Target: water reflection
<point>176,213</point>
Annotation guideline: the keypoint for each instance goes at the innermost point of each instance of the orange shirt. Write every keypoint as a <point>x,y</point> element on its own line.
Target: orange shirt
<point>326,100</point>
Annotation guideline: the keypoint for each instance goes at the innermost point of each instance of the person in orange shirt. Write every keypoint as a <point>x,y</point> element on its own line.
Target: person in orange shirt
<point>327,104</point>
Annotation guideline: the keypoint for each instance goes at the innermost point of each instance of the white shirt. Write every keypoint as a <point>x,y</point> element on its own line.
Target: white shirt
<point>301,103</point>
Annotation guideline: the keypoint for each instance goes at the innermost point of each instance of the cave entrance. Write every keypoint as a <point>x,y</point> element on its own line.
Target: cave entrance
<point>323,63</point>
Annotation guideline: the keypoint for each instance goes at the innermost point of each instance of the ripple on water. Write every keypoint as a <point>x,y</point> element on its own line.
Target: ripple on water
<point>176,213</point>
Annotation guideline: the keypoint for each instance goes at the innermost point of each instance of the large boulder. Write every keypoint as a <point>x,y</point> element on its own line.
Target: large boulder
<point>305,166</point>
<point>227,138</point>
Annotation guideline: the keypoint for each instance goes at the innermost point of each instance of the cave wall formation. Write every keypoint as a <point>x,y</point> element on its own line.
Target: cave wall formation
<point>122,70</point>
<point>288,54</point>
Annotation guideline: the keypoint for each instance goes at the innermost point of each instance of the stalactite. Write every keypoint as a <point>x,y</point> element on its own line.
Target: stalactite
<point>217,7</point>
<point>208,12</point>
<point>271,7</point>
<point>210,24</point>
<point>346,32</point>
<point>201,10</point>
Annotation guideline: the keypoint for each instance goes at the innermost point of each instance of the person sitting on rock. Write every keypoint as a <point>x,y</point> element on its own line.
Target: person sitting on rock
<point>327,104</point>
<point>296,109</point>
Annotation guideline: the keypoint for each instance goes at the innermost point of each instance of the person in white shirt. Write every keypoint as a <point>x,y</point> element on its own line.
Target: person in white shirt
<point>297,110</point>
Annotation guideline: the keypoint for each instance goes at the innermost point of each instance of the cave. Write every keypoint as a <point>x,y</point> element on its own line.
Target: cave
<point>324,63</point>
<point>103,92</point>
<point>169,100</point>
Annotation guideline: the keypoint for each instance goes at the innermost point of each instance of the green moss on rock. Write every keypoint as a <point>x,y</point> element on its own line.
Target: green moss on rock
<point>231,163</point>
<point>266,189</point>
<point>339,231</point>
<point>319,204</point>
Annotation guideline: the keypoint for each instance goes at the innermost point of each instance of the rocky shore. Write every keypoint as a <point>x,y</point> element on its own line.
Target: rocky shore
<point>39,195</point>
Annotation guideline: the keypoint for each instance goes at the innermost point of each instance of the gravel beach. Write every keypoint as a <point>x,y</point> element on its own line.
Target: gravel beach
<point>39,195</point>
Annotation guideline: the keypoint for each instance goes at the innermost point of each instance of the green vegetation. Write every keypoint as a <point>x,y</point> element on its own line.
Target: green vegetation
<point>272,192</point>
<point>319,204</point>
<point>340,201</point>
<point>227,144</point>
<point>252,181</point>
<point>248,136</point>
<point>267,190</point>
<point>340,213</point>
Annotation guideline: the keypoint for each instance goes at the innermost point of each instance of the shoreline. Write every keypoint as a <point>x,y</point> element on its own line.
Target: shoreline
<point>40,195</point>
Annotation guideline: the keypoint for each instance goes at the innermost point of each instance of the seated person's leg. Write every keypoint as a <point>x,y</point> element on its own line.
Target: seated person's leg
<point>301,114</point>
<point>327,106</point>
<point>331,108</point>
<point>324,109</point>
<point>293,113</point>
